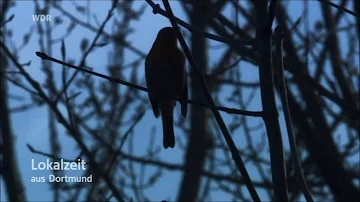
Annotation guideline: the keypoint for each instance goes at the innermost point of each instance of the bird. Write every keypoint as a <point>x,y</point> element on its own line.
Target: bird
<point>166,79</point>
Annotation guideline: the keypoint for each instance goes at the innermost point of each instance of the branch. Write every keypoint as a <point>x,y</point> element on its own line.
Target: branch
<point>264,20</point>
<point>279,36</point>
<point>119,81</point>
<point>235,154</point>
<point>156,9</point>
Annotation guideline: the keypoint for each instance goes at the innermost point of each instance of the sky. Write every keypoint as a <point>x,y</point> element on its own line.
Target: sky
<point>31,127</point>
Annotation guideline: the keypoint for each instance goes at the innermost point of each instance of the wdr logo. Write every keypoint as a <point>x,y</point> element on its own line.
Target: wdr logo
<point>41,18</point>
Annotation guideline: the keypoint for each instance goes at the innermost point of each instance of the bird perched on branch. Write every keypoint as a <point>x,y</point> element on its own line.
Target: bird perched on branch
<point>166,79</point>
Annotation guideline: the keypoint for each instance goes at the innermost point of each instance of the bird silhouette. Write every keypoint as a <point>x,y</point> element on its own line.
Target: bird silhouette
<point>166,79</point>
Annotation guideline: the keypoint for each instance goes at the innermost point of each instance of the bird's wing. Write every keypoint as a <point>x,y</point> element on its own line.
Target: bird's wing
<point>183,95</point>
<point>149,77</point>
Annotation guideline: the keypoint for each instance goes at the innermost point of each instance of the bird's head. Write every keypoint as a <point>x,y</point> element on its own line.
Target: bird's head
<point>167,36</point>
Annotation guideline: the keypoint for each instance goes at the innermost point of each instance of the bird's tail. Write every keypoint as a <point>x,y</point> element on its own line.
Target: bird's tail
<point>167,111</point>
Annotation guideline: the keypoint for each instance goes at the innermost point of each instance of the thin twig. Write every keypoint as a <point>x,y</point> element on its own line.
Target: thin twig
<point>92,46</point>
<point>97,168</point>
<point>49,155</point>
<point>123,139</point>
<point>339,7</point>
